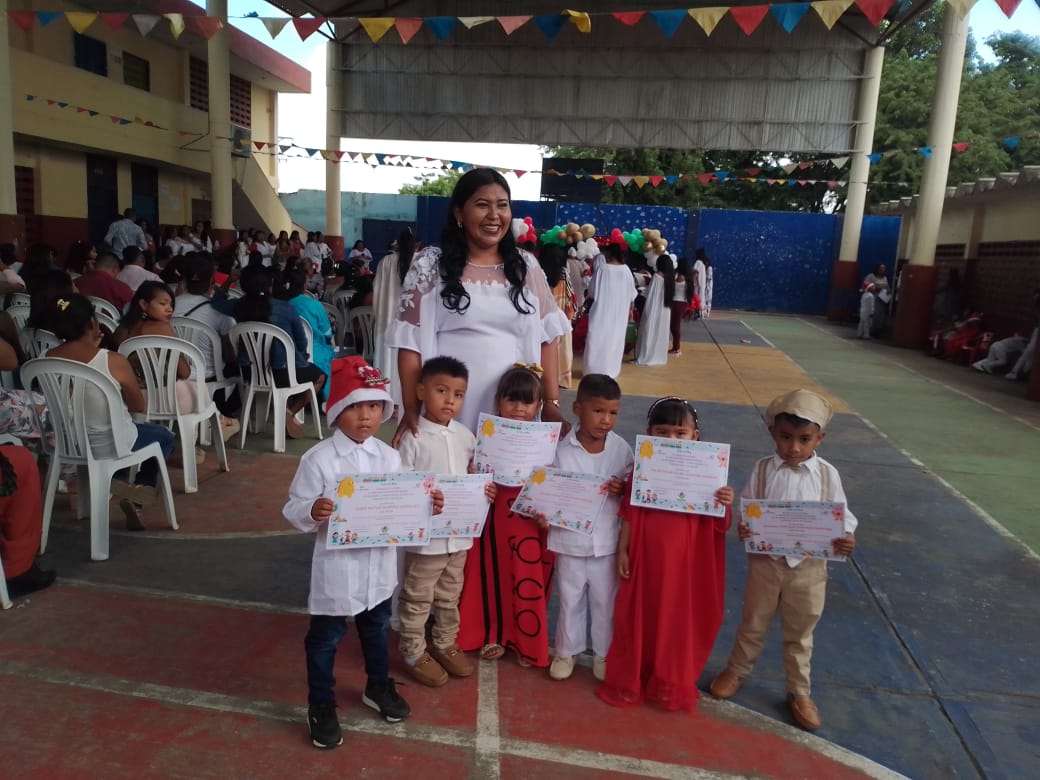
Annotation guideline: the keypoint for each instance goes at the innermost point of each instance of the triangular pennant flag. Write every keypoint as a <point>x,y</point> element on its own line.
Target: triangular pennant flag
<point>206,25</point>
<point>610,180</point>
<point>704,178</point>
<point>709,17</point>
<point>92,113</point>
<point>625,180</point>
<point>1011,142</point>
<point>24,19</point>
<point>284,148</point>
<point>46,17</point>
<point>311,152</point>
<point>442,26</point>
<point>722,175</point>
<point>790,182</point>
<point>789,14</point>
<point>802,182</point>
<point>789,167</point>
<point>656,180</point>
<point>874,158</point>
<point>80,20</point>
<point>520,173</point>
<point>274,25</point>
<point>407,27</point>
<point>123,121</point>
<point>925,150</point>
<point>875,10</point>
<point>469,22</point>
<point>1008,6</point>
<point>839,162</point>
<point>138,120</point>
<point>376,27</point>
<point>550,24</point>
<point>114,119</point>
<point>671,179</point>
<point>176,24</point>
<point>307,26</point>
<point>51,102</point>
<point>381,159</point>
<point>640,181</point>
<point>961,146</point>
<point>114,21</point>
<point>668,21</point>
<point>80,110</point>
<point>326,155</point>
<point>748,17</point>
<point>802,166</point>
<point>830,11</point>
<point>62,104</point>
<point>962,7</point>
<point>259,145</point>
<point>629,17</point>
<point>513,23</point>
<point>146,22</point>
<point>581,20</point>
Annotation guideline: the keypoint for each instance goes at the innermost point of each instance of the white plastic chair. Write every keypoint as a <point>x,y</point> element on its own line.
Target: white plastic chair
<point>106,308</point>
<point>257,338</point>
<point>107,323</point>
<point>341,300</point>
<point>158,357</point>
<point>36,342</point>
<point>208,341</point>
<point>361,323</point>
<point>336,319</point>
<point>19,314</point>
<point>64,384</point>
<point>17,299</point>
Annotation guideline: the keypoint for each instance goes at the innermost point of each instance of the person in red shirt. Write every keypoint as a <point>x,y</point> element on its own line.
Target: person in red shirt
<point>102,282</point>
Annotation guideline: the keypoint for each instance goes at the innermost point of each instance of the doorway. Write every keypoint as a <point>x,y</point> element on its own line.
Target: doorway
<point>102,195</point>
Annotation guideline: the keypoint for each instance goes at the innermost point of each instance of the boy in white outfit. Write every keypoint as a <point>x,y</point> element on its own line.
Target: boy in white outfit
<point>586,567</point>
<point>866,311</point>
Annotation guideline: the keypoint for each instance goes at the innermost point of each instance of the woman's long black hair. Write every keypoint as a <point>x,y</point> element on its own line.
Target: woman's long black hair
<point>255,303</point>
<point>405,252</point>
<point>455,251</point>
<point>667,270</point>
<point>685,270</point>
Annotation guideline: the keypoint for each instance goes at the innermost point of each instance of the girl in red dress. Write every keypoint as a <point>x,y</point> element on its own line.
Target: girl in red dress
<point>508,571</point>
<point>669,604</point>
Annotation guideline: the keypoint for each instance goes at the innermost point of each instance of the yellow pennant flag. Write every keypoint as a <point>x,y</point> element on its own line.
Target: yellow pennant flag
<point>176,24</point>
<point>377,27</point>
<point>709,17</point>
<point>830,11</point>
<point>640,181</point>
<point>469,22</point>
<point>80,20</point>
<point>962,6</point>
<point>581,20</point>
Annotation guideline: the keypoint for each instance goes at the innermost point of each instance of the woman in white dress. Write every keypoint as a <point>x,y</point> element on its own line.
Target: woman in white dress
<point>652,341</point>
<point>700,273</point>
<point>709,288</point>
<point>386,295</point>
<point>611,294</point>
<point>480,299</point>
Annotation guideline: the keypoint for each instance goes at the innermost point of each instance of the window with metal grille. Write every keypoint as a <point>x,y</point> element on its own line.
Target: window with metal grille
<point>25,200</point>
<point>136,72</point>
<point>89,54</point>
<point>241,93</point>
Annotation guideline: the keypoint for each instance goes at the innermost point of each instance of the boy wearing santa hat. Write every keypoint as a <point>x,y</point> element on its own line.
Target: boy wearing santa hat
<point>347,582</point>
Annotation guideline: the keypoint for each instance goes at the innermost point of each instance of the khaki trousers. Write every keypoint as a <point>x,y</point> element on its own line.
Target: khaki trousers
<point>432,583</point>
<point>798,594</point>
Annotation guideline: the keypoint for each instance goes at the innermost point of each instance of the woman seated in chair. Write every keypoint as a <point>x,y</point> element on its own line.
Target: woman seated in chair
<point>76,326</point>
<point>21,413</point>
<point>257,304</point>
<point>21,521</point>
<point>314,314</point>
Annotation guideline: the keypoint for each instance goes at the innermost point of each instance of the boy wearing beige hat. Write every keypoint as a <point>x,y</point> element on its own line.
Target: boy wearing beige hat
<point>794,587</point>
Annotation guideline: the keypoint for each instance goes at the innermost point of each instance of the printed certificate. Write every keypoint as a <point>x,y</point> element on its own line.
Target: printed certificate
<point>679,475</point>
<point>801,529</point>
<point>381,510</point>
<point>465,505</point>
<point>568,499</point>
<point>510,449</point>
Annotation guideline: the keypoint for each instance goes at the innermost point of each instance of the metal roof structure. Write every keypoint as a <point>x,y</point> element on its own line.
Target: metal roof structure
<point>617,86</point>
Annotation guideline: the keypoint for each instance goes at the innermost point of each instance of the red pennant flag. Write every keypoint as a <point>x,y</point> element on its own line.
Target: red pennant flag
<point>962,146</point>
<point>206,25</point>
<point>629,17</point>
<point>875,10</point>
<point>832,182</point>
<point>704,178</point>
<point>748,17</point>
<point>804,165</point>
<point>656,180</point>
<point>114,21</point>
<point>407,27</point>
<point>1008,6</point>
<point>754,171</point>
<point>23,19</point>
<point>339,155</point>
<point>519,173</point>
<point>610,180</point>
<point>306,27</point>
<point>115,119</point>
<point>802,182</point>
<point>259,145</point>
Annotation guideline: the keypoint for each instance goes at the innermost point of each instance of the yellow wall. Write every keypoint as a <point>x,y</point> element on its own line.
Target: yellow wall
<point>1011,215</point>
<point>264,107</point>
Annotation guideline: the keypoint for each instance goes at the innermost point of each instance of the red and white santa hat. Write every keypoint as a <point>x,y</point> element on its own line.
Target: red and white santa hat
<point>353,380</point>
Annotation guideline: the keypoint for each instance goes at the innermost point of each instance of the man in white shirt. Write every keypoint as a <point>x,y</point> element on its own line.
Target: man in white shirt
<point>125,232</point>
<point>196,303</point>
<point>10,281</point>
<point>134,274</point>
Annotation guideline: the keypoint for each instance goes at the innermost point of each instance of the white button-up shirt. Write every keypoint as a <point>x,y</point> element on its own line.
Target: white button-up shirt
<point>439,449</point>
<point>343,581</point>
<point>805,483</point>
<point>614,461</point>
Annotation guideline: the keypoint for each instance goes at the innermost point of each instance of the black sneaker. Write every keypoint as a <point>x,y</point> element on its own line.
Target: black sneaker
<point>31,581</point>
<point>384,699</point>
<point>325,730</point>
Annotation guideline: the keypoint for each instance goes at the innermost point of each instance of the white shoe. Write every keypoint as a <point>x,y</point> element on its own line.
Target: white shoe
<point>599,668</point>
<point>562,667</point>
<point>980,366</point>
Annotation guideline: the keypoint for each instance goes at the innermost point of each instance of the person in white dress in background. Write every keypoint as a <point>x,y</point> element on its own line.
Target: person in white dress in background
<point>611,294</point>
<point>652,341</point>
<point>709,288</point>
<point>700,273</point>
<point>386,295</point>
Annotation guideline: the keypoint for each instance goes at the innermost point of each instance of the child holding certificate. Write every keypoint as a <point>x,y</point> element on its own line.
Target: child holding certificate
<point>355,582</point>
<point>506,585</point>
<point>796,587</point>
<point>586,566</point>
<point>669,604</point>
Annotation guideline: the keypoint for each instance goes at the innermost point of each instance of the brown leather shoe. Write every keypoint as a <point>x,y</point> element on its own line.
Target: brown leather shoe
<point>804,711</point>
<point>726,684</point>
<point>428,671</point>
<point>453,660</point>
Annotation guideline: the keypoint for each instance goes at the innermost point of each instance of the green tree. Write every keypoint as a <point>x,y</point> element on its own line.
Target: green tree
<point>433,183</point>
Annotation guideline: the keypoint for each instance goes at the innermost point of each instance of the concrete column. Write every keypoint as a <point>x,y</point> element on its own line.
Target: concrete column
<point>220,172</point>
<point>846,270</point>
<point>11,224</point>
<point>913,317</point>
<point>333,197</point>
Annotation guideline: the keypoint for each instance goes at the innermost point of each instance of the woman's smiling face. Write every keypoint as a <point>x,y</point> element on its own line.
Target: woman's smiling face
<point>485,217</point>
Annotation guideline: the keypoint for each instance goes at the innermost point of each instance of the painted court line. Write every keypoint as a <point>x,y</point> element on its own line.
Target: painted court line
<point>488,740</point>
<point>168,595</point>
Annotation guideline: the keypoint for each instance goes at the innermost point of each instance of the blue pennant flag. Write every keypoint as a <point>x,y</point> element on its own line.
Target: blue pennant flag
<point>30,97</point>
<point>550,24</point>
<point>722,175</point>
<point>671,179</point>
<point>311,152</point>
<point>1011,142</point>
<point>789,14</point>
<point>442,26</point>
<point>46,17</point>
<point>669,21</point>
<point>925,150</point>
<point>126,121</point>
<point>791,182</point>
<point>92,113</point>
<point>62,104</point>
<point>874,158</point>
<point>252,15</point>
<point>381,159</point>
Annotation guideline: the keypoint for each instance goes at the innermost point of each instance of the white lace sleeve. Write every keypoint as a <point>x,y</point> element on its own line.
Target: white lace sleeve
<point>412,327</point>
<point>554,321</point>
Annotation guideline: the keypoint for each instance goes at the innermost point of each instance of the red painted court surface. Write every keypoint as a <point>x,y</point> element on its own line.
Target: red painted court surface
<point>114,684</point>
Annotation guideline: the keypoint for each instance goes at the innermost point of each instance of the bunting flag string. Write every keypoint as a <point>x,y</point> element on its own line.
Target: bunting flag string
<point>288,149</point>
<point>747,17</point>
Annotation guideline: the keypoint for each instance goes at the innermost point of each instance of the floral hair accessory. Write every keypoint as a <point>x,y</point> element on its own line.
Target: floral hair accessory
<point>63,304</point>
<point>534,368</point>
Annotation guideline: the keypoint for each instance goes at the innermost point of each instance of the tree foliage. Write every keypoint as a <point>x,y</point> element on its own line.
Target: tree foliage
<point>433,183</point>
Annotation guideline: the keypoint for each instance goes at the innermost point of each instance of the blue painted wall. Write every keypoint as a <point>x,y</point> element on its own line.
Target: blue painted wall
<point>670,221</point>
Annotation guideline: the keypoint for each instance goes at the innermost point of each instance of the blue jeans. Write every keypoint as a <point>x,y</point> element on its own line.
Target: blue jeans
<point>149,433</point>
<point>324,636</point>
